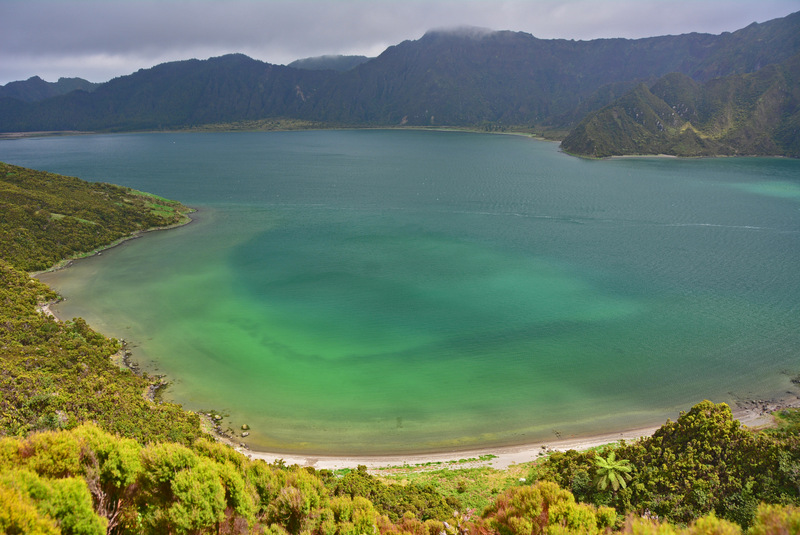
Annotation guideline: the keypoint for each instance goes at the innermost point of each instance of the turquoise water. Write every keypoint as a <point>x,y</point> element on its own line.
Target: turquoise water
<point>401,291</point>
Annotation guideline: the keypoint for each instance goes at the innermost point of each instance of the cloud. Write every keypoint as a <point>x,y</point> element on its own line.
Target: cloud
<point>98,39</point>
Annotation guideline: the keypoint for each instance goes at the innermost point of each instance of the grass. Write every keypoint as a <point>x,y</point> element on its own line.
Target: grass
<point>164,208</point>
<point>474,486</point>
<point>788,420</point>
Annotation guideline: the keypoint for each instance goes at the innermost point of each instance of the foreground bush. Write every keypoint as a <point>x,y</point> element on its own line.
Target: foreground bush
<point>87,481</point>
<point>704,463</point>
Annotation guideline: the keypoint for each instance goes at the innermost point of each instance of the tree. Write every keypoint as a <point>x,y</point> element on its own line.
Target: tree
<point>181,492</point>
<point>111,466</point>
<point>66,500</point>
<point>611,471</point>
<point>545,508</point>
<point>18,514</point>
<point>706,462</point>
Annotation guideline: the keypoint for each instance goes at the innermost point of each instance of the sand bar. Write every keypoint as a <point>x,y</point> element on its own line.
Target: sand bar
<point>752,413</point>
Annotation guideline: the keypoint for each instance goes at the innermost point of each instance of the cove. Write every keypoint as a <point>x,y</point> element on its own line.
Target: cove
<point>376,292</point>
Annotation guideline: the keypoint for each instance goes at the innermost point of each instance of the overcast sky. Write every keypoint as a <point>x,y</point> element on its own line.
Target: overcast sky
<point>100,39</point>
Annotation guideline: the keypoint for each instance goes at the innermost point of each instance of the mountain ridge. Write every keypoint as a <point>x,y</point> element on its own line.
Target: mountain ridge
<point>34,88</point>
<point>485,79</point>
<point>328,62</point>
<point>739,115</point>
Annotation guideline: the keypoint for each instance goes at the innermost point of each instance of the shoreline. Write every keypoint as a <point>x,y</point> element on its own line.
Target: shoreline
<point>513,130</point>
<point>122,357</point>
<point>67,262</point>
<point>500,457</point>
<point>751,413</point>
<point>755,414</point>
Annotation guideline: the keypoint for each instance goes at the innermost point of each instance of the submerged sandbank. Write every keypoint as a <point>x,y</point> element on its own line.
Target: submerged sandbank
<point>187,217</point>
<point>752,413</point>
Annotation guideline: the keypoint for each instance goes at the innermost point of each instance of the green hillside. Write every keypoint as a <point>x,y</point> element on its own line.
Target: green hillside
<point>45,218</point>
<point>740,115</point>
<point>55,374</point>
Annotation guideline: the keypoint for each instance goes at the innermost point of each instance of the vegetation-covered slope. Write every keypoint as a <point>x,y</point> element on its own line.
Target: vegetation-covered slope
<point>45,218</point>
<point>55,375</point>
<point>172,95</point>
<point>745,114</point>
<point>473,76</point>
<point>85,480</point>
<point>704,463</point>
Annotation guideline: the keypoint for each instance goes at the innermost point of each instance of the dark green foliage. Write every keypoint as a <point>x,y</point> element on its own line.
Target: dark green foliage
<point>395,501</point>
<point>45,217</point>
<point>743,114</point>
<point>706,462</point>
<point>572,470</point>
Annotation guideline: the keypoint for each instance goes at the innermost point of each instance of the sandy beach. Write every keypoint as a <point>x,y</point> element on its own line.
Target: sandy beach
<point>755,414</point>
<point>501,457</point>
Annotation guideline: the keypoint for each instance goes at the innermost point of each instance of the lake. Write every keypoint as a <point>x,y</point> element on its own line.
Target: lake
<point>375,292</point>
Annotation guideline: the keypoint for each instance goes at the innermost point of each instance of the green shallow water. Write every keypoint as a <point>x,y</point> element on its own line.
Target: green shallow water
<point>382,292</point>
